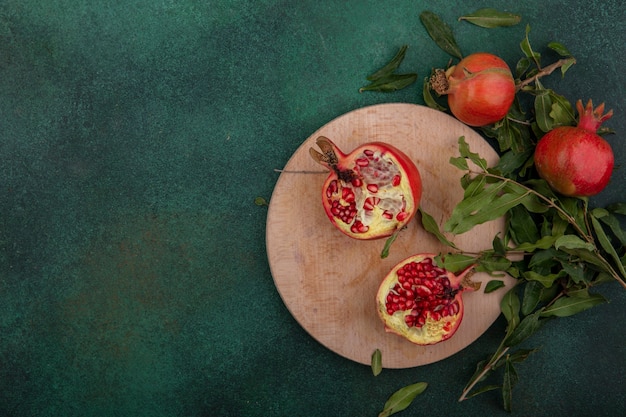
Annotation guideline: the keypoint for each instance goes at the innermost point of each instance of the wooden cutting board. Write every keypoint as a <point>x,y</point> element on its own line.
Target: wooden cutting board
<point>328,281</point>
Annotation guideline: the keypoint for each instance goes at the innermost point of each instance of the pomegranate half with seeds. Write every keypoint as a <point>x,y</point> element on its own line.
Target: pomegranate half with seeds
<point>422,302</point>
<point>370,192</point>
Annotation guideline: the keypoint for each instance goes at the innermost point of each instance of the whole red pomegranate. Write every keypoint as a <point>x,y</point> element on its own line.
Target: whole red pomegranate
<point>421,301</point>
<point>480,88</point>
<point>371,192</point>
<point>574,160</point>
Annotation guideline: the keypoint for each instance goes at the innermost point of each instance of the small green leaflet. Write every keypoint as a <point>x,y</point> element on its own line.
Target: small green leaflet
<point>386,80</point>
<point>391,65</point>
<point>607,245</point>
<point>260,201</point>
<point>402,398</point>
<point>377,362</point>
<point>493,285</point>
<point>568,306</point>
<point>388,243</point>
<point>492,18</point>
<point>559,48</point>
<point>527,49</point>
<point>543,107</point>
<point>510,379</point>
<point>526,328</point>
<point>431,226</point>
<point>441,33</point>
<point>510,306</point>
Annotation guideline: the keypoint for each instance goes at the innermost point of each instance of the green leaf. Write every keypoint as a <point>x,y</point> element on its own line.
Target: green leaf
<point>260,201</point>
<point>390,83</point>
<point>459,162</point>
<point>492,18</point>
<point>465,152</point>
<point>391,66</point>
<point>483,389</point>
<point>522,66</point>
<point>431,226</point>
<point>543,243</point>
<point>522,226</point>
<point>612,222</point>
<point>562,111</point>
<point>402,398</point>
<point>475,186</point>
<point>568,306</point>
<point>377,362</point>
<point>520,355</point>
<point>512,161</point>
<point>527,49</point>
<point>388,243</point>
<point>567,65</point>
<point>532,295</point>
<point>491,263</point>
<point>488,205</point>
<point>527,327</point>
<point>510,379</point>
<point>493,285</point>
<point>441,33</point>
<point>573,242</point>
<point>428,97</point>
<point>543,107</point>
<point>455,262</point>
<point>545,280</point>
<point>617,208</point>
<point>575,270</point>
<point>510,307</point>
<point>559,48</point>
<point>607,246</point>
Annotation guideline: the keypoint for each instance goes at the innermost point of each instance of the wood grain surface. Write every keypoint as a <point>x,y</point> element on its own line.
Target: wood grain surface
<point>328,281</point>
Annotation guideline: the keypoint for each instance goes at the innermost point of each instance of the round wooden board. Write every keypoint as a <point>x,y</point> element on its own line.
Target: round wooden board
<point>328,281</point>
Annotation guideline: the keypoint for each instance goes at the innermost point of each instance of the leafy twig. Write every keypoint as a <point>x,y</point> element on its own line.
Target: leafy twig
<point>545,71</point>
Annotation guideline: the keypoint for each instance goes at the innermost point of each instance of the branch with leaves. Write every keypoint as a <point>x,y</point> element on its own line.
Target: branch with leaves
<point>558,248</point>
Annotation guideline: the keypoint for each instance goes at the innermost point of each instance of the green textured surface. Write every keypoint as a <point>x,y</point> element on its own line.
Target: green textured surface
<point>134,137</point>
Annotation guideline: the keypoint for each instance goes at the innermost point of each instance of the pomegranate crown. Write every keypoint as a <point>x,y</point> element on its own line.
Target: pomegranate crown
<point>590,118</point>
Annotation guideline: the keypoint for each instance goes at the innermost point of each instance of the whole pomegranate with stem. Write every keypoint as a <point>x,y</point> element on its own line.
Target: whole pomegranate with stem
<point>423,302</point>
<point>370,192</point>
<point>575,160</point>
<point>480,88</point>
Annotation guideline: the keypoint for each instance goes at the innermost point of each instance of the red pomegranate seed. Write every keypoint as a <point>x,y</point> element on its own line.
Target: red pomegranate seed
<point>357,182</point>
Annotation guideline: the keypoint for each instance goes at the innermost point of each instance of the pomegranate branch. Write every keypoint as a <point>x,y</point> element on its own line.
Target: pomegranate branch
<point>545,71</point>
<point>586,236</point>
<point>486,369</point>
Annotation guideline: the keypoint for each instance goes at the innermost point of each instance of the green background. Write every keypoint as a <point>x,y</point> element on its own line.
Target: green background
<point>134,137</point>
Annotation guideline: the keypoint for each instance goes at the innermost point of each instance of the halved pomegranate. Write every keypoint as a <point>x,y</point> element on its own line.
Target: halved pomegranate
<point>421,301</point>
<point>371,192</point>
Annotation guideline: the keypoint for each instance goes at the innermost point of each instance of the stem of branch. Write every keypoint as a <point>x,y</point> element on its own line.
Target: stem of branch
<point>545,71</point>
<point>484,372</point>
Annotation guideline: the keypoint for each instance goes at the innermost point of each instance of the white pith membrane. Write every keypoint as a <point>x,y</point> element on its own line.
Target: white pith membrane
<point>382,207</point>
<point>435,325</point>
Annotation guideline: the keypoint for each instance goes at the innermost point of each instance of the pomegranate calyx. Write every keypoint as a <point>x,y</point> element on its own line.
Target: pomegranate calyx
<point>330,160</point>
<point>466,279</point>
<point>329,157</point>
<point>590,118</point>
<point>439,82</point>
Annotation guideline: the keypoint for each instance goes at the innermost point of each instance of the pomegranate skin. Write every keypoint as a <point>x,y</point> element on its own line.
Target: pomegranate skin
<point>480,89</point>
<point>574,160</point>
